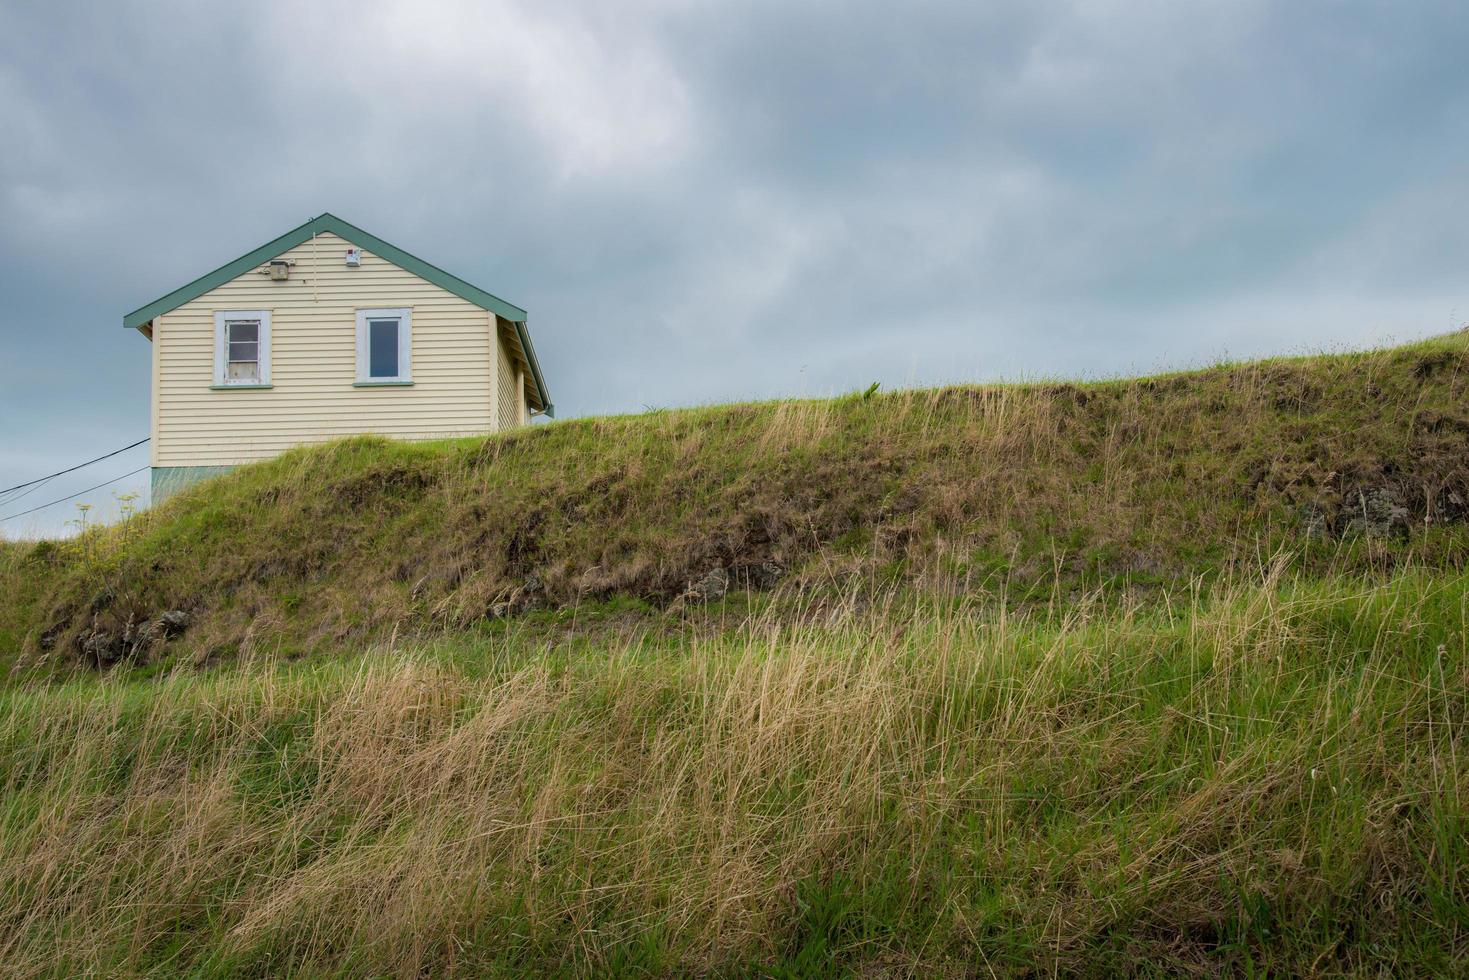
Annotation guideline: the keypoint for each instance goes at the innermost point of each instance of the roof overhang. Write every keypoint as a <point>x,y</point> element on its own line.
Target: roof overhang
<point>142,317</point>
<point>527,352</point>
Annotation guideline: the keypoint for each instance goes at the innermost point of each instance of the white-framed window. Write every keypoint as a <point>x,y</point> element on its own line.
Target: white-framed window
<point>241,348</point>
<point>384,347</point>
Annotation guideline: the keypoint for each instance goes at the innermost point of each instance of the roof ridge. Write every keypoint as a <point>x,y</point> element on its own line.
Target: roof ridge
<point>328,222</point>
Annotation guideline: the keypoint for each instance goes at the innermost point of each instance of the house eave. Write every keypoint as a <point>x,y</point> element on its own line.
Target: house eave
<point>141,319</point>
<point>546,407</point>
<point>328,223</point>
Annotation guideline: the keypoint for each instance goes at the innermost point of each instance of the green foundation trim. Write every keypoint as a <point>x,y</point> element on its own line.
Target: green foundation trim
<point>169,480</point>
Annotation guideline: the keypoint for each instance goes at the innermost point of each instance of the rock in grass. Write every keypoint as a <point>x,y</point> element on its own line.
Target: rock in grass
<point>100,647</point>
<point>173,622</point>
<point>711,587</point>
<point>761,574</point>
<point>1379,513</point>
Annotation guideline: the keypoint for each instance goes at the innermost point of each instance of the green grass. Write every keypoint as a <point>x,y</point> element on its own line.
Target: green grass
<point>1265,779</point>
<point>1143,484</point>
<point>1137,677</point>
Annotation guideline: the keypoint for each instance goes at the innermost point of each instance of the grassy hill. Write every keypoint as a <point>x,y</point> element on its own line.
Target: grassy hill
<point>1142,676</point>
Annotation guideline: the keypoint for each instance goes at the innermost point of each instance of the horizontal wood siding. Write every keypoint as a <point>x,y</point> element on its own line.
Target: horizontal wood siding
<point>509,390</point>
<point>314,363</point>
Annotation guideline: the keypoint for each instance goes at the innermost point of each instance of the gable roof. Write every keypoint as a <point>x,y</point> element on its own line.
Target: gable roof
<point>327,222</point>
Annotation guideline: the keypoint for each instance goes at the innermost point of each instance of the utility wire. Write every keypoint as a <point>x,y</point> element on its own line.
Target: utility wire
<point>74,468</point>
<point>63,500</point>
<point>7,501</point>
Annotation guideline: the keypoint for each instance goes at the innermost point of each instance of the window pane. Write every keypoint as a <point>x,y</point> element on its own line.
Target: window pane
<point>244,371</point>
<point>382,348</point>
<point>244,350</point>
<point>248,330</point>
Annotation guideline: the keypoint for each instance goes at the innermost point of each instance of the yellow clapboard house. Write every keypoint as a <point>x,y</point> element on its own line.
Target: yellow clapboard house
<point>328,331</point>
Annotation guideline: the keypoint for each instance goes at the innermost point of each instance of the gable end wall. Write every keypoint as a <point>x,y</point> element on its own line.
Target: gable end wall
<point>314,364</point>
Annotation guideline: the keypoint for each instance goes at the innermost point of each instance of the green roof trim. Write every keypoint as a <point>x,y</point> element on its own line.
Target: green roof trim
<point>327,222</point>
<point>535,368</point>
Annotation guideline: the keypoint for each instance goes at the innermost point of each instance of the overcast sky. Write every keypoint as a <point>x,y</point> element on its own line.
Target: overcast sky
<point>701,202</point>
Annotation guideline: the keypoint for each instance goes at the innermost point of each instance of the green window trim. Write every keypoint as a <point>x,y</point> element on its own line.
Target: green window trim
<point>240,387</point>
<point>143,316</point>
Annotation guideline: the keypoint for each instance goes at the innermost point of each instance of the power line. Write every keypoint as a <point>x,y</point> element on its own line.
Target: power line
<point>34,487</point>
<point>74,468</point>
<point>63,500</point>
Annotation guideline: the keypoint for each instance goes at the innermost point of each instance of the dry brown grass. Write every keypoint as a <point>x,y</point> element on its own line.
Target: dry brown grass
<point>1138,484</point>
<point>1268,776</point>
<point>1022,700</point>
